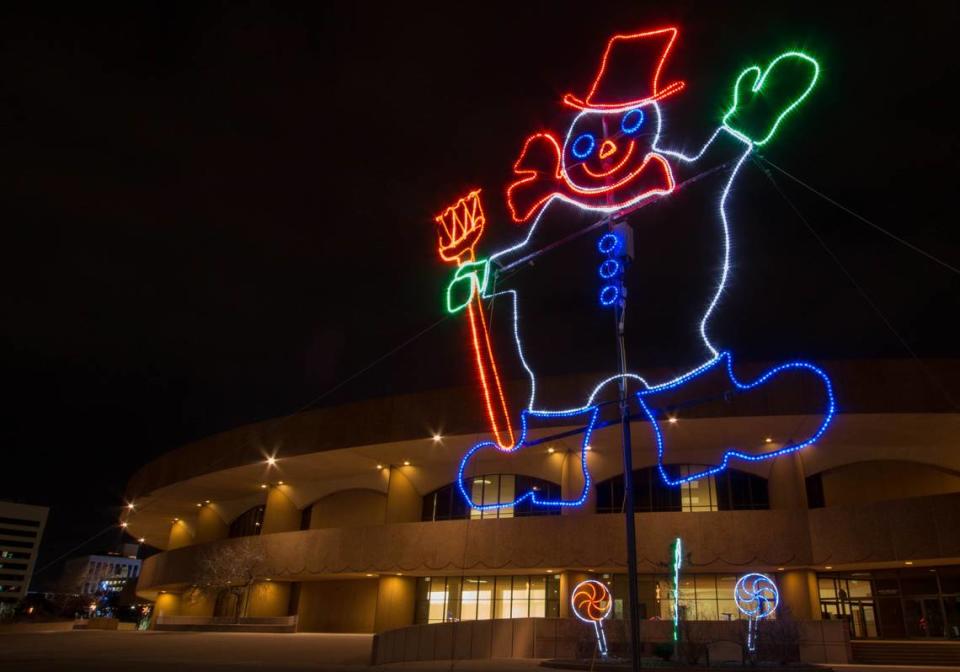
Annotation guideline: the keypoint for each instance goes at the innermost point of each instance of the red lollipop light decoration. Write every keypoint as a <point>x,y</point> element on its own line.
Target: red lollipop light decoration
<point>591,602</point>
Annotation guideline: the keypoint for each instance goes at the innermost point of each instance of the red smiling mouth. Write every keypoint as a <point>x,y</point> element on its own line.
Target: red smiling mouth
<point>626,157</point>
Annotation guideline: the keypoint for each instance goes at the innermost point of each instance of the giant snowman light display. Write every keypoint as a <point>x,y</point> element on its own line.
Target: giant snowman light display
<point>611,160</point>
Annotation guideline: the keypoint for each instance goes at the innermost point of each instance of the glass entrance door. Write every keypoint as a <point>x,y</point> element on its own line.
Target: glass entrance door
<point>924,616</point>
<point>864,619</point>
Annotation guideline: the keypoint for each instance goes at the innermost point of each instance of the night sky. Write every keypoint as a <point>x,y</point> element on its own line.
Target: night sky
<point>215,213</point>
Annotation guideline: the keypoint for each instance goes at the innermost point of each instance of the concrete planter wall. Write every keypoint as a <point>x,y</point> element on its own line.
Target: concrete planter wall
<point>226,624</point>
<point>820,641</point>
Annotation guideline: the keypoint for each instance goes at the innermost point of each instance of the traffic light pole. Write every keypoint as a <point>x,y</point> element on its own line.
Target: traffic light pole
<point>628,508</point>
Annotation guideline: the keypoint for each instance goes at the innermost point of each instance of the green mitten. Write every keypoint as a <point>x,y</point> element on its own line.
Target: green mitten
<point>468,278</point>
<point>763,98</point>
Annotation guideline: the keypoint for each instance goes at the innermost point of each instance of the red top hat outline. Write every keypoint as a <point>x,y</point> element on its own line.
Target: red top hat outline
<point>595,100</point>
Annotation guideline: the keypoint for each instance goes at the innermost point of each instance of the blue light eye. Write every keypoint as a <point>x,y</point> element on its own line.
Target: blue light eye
<point>583,146</point>
<point>631,121</point>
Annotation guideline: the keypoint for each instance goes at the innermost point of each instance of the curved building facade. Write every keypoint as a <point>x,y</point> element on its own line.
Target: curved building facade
<point>361,528</point>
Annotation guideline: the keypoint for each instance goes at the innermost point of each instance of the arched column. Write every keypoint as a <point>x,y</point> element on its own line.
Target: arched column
<point>786,483</point>
<point>396,597</point>
<point>166,604</point>
<point>210,525</point>
<point>404,503</point>
<point>281,514</point>
<point>568,580</point>
<point>798,592</point>
<point>180,534</point>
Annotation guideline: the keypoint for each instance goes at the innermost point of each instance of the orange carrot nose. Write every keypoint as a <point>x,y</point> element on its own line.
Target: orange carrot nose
<point>607,148</point>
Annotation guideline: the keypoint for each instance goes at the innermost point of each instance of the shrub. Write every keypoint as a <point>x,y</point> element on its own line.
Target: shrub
<point>663,650</point>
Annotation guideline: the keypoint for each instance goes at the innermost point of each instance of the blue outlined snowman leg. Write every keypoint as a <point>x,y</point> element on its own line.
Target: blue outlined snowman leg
<point>488,450</point>
<point>720,377</point>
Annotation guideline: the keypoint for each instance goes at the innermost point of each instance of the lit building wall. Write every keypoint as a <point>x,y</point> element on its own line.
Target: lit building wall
<point>347,605</point>
<point>268,598</point>
<point>396,597</point>
<point>876,481</point>
<point>372,516</point>
<point>349,508</point>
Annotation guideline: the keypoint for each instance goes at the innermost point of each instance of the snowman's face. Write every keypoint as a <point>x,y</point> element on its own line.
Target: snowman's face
<point>607,149</point>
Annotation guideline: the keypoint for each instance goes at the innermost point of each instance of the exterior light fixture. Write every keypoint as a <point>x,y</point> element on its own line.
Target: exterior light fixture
<point>437,438</point>
<point>549,571</point>
<point>768,439</point>
<point>399,573</point>
<point>589,447</point>
<point>368,575</point>
<point>279,482</point>
<point>130,506</point>
<point>206,501</point>
<point>124,525</point>
<point>829,567</point>
<point>908,562</point>
<point>780,569</point>
<point>406,463</point>
<point>176,520</point>
<point>271,461</point>
<point>141,540</point>
<point>199,504</point>
<point>551,450</point>
<point>269,579</point>
<point>379,466</point>
<point>672,419</point>
<point>263,486</point>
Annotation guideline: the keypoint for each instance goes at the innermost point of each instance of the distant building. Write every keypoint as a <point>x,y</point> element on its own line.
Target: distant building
<point>102,573</point>
<point>21,528</point>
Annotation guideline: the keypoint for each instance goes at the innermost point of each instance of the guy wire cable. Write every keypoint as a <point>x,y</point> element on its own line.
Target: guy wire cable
<point>861,291</point>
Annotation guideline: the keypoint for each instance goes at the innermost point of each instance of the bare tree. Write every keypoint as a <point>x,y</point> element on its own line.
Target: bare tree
<point>781,641</point>
<point>695,640</point>
<point>230,569</point>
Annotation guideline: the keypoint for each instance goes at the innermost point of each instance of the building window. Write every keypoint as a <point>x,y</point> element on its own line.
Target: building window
<point>305,516</point>
<point>922,602</point>
<point>728,490</point>
<point>248,524</point>
<point>703,597</point>
<point>738,490</point>
<point>815,498</point>
<point>32,534</point>
<point>446,503</point>
<point>476,598</point>
<point>19,521</point>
